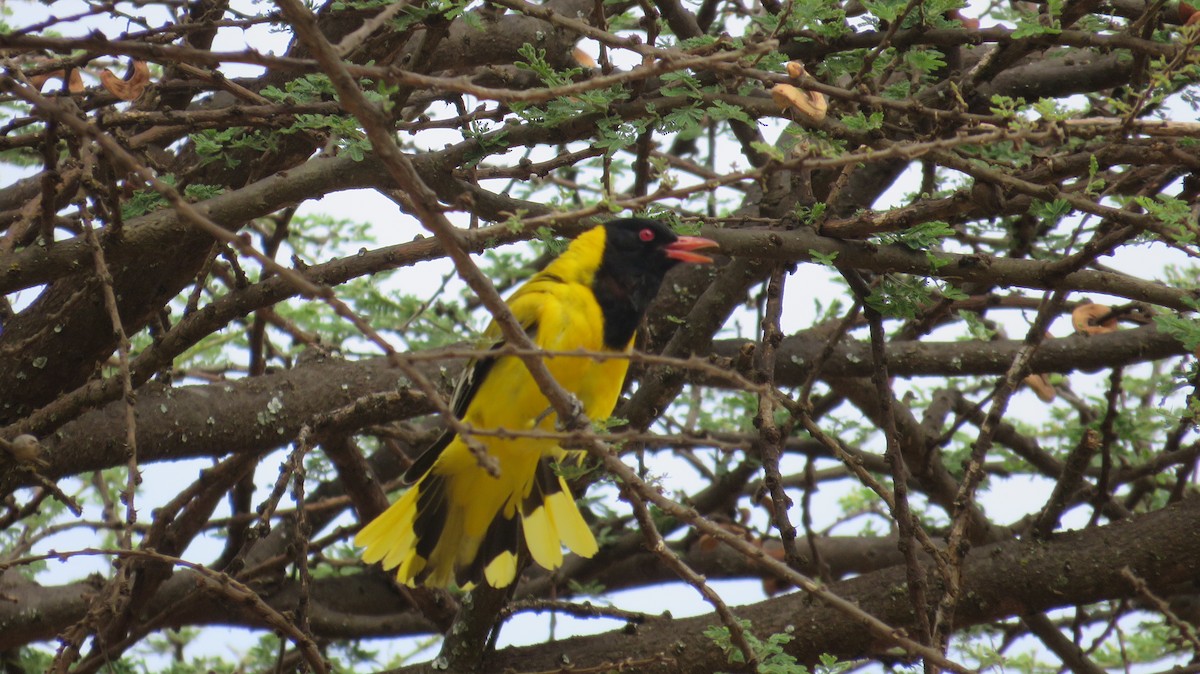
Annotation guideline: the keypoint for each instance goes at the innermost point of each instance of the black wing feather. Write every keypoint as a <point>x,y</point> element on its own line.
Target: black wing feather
<point>464,392</point>
<point>502,537</point>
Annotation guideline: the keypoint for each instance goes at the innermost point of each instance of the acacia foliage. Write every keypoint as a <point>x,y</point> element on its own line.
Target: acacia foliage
<point>957,244</point>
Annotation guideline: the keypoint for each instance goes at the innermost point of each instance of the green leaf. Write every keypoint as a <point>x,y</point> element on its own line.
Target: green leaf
<point>922,236</point>
<point>1032,26</point>
<point>857,121</point>
<point>771,150</point>
<point>822,258</point>
<point>685,121</point>
<point>680,83</point>
<point>1051,211</point>
<point>720,110</point>
<point>811,215</point>
<point>885,10</point>
<point>925,61</point>
<point>1183,328</point>
<point>535,61</point>
<point>769,653</point>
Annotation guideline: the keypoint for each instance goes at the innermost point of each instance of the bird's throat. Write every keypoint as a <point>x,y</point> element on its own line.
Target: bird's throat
<point>623,302</point>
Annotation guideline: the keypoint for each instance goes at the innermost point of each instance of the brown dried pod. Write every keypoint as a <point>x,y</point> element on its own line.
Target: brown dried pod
<point>810,104</point>
<point>1085,316</point>
<point>583,58</point>
<point>770,584</point>
<point>966,21</point>
<point>763,498</point>
<point>129,89</point>
<point>707,543</point>
<point>1187,13</point>
<point>73,79</point>
<point>38,80</point>
<point>1045,392</point>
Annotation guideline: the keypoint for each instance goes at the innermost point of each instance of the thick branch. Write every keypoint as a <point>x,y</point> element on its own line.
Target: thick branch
<point>851,358</point>
<point>247,415</point>
<point>1000,581</point>
<point>181,422</point>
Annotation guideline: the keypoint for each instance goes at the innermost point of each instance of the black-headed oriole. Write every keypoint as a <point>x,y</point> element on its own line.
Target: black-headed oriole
<point>458,523</point>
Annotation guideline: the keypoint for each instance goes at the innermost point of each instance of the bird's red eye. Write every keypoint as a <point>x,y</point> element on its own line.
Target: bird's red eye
<point>646,235</point>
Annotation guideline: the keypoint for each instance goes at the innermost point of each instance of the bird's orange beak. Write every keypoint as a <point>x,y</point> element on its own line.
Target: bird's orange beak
<point>682,249</point>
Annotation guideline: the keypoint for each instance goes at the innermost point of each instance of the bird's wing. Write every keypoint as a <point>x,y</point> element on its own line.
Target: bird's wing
<point>527,305</point>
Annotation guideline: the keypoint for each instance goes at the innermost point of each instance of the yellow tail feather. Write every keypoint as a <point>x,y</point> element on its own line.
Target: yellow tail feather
<point>458,523</point>
<point>541,537</point>
<point>384,534</point>
<point>573,531</point>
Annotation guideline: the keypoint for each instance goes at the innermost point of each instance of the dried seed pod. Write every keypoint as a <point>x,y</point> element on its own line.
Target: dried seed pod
<point>1188,13</point>
<point>967,22</point>
<point>583,58</point>
<point>708,543</point>
<point>764,500</point>
<point>770,584</point>
<point>73,79</point>
<point>1085,316</point>
<point>130,89</point>
<point>1041,386</point>
<point>810,104</point>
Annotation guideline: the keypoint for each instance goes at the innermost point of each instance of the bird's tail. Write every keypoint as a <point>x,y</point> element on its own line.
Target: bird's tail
<point>464,526</point>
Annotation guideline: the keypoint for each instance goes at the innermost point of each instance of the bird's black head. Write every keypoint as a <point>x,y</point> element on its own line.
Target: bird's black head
<point>637,255</point>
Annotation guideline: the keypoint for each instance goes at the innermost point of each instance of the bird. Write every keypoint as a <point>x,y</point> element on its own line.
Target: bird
<point>458,524</point>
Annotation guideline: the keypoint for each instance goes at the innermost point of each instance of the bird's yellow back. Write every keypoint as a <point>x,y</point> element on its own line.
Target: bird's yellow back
<point>559,310</point>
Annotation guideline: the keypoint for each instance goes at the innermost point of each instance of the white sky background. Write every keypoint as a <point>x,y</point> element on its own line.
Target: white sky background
<point>1006,500</point>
